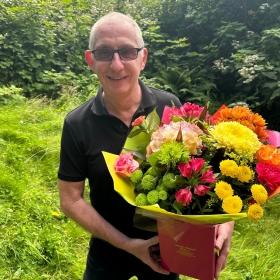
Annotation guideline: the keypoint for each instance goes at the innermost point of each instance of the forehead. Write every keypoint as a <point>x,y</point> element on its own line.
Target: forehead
<point>115,35</point>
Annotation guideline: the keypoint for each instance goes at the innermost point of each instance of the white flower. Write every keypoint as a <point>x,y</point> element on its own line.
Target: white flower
<point>250,33</point>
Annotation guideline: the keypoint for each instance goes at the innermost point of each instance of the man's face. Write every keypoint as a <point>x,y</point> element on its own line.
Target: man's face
<point>117,77</point>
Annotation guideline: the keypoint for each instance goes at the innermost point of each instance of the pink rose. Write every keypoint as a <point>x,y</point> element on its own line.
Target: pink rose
<point>208,176</point>
<point>268,175</point>
<point>197,164</point>
<point>138,121</point>
<point>184,196</point>
<point>168,112</point>
<point>185,169</point>
<point>188,110</point>
<point>201,190</point>
<point>191,168</point>
<point>125,165</point>
<point>192,110</point>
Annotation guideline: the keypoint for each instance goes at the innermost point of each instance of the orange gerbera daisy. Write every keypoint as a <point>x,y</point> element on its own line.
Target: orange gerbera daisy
<point>245,117</point>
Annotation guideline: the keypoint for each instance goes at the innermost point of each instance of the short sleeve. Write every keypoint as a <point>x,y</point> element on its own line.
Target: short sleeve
<point>72,165</point>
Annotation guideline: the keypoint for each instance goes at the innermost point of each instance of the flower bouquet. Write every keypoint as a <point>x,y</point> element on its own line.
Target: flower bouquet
<point>191,172</point>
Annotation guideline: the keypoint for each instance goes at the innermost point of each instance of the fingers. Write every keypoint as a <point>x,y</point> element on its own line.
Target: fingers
<point>220,242</point>
<point>154,248</point>
<point>155,256</point>
<point>223,245</point>
<point>156,266</point>
<point>148,252</point>
<point>220,265</point>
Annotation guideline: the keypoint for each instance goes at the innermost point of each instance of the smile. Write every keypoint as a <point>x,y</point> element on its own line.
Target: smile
<point>114,78</point>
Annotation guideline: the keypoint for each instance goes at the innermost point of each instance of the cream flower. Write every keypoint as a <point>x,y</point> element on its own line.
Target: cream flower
<point>170,132</point>
<point>191,140</point>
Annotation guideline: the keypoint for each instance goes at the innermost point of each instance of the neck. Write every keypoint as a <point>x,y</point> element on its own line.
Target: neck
<point>123,107</point>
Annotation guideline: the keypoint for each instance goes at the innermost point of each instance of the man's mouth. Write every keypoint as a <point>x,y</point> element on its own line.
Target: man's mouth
<point>116,78</point>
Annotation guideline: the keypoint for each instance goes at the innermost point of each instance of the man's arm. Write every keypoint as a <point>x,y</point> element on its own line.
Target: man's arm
<point>74,206</point>
<point>223,245</point>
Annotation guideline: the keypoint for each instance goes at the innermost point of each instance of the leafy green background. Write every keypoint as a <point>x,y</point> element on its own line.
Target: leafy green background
<point>200,50</point>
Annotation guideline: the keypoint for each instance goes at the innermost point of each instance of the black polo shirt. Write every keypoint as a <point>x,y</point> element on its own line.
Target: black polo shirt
<point>90,129</point>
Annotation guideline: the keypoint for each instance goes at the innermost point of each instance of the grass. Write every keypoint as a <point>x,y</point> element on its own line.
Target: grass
<point>39,242</point>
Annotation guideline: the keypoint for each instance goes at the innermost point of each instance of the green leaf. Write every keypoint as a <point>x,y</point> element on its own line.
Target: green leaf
<point>178,207</point>
<point>152,121</point>
<point>275,94</point>
<point>153,159</point>
<point>271,75</point>
<point>180,180</point>
<point>135,131</point>
<point>270,85</point>
<point>135,153</point>
<point>212,194</point>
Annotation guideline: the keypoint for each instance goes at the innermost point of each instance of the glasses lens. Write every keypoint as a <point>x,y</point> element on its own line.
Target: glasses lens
<point>128,54</point>
<point>104,54</point>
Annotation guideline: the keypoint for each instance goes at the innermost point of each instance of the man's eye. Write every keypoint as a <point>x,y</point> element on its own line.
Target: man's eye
<point>126,51</point>
<point>104,51</point>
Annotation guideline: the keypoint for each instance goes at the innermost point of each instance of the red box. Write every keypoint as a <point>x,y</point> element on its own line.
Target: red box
<point>188,249</point>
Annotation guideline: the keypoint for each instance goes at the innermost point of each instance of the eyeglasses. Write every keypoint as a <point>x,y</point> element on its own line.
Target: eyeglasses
<point>125,54</point>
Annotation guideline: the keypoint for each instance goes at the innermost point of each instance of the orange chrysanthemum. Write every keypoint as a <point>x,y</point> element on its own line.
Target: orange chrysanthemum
<point>245,117</point>
<point>269,154</point>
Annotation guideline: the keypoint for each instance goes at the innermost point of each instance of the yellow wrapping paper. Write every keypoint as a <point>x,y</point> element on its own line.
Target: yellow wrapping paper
<point>126,189</point>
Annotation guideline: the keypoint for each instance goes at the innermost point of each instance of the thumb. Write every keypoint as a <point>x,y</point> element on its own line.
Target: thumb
<point>153,241</point>
<point>220,242</point>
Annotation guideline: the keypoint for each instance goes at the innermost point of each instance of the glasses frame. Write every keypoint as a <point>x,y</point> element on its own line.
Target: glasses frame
<point>118,52</point>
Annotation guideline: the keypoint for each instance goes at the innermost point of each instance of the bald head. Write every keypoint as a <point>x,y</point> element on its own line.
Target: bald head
<point>115,19</point>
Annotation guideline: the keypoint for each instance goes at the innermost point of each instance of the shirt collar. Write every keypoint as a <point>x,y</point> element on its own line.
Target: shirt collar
<point>147,100</point>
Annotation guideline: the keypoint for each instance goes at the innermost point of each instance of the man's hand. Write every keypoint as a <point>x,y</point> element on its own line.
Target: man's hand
<point>222,244</point>
<point>148,252</point>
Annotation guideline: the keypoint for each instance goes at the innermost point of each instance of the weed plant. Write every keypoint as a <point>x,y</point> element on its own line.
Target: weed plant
<point>39,242</point>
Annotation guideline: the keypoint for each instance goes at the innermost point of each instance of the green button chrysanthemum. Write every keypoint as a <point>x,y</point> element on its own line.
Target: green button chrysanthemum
<point>171,153</point>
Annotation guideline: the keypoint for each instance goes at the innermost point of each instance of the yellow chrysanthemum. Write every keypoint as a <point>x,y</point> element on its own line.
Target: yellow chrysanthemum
<point>255,212</point>
<point>244,174</point>
<point>259,193</point>
<point>223,190</point>
<point>232,204</point>
<point>229,168</point>
<point>235,136</point>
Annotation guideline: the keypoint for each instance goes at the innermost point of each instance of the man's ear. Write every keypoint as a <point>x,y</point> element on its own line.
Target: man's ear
<point>144,58</point>
<point>90,61</point>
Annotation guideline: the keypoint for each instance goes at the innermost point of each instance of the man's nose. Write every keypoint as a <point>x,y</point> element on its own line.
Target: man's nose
<point>116,62</point>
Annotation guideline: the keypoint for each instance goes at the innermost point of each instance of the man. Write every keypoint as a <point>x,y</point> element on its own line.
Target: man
<point>117,249</point>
